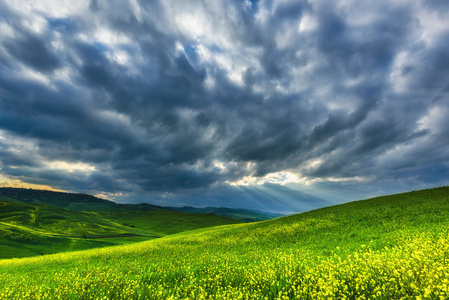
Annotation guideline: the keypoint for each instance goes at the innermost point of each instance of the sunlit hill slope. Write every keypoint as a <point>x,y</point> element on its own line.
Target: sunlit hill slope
<point>393,247</point>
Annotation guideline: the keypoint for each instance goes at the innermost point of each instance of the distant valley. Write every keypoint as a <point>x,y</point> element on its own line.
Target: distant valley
<point>35,222</point>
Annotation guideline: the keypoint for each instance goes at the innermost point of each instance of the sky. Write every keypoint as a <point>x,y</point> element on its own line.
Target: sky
<point>273,105</point>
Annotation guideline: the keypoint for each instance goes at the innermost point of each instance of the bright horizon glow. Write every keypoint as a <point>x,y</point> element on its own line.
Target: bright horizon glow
<point>281,178</point>
<point>287,177</point>
<point>16,183</point>
<point>70,167</point>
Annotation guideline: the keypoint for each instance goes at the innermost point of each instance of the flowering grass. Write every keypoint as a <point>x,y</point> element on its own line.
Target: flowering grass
<point>394,247</point>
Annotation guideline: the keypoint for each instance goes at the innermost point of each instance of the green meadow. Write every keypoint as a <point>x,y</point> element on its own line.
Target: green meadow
<point>392,247</point>
<point>36,222</point>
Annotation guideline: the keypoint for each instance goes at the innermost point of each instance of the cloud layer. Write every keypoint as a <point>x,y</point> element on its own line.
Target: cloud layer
<point>181,100</point>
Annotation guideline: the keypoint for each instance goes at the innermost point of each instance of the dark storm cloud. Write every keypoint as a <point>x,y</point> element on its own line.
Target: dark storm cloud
<point>179,98</point>
<point>32,51</point>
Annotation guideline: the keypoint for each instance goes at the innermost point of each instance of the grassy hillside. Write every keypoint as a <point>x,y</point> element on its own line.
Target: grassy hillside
<point>28,227</point>
<point>68,201</point>
<point>245,215</point>
<point>85,202</point>
<point>394,247</point>
<point>163,222</point>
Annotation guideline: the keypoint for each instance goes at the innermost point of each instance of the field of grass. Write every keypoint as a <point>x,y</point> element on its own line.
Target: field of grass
<point>35,229</point>
<point>28,227</point>
<point>163,222</point>
<point>393,247</point>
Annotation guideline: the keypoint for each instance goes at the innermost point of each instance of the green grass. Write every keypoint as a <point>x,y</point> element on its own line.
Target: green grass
<point>394,247</point>
<point>164,222</point>
<point>33,228</point>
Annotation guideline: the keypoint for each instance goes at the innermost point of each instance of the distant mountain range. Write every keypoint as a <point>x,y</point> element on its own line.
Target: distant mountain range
<point>245,215</point>
<point>85,202</point>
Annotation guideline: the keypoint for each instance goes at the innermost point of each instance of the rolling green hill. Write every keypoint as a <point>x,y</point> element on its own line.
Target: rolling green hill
<point>34,222</point>
<point>68,201</point>
<point>164,222</point>
<point>245,215</point>
<point>28,229</point>
<point>393,247</point>
<point>85,202</point>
